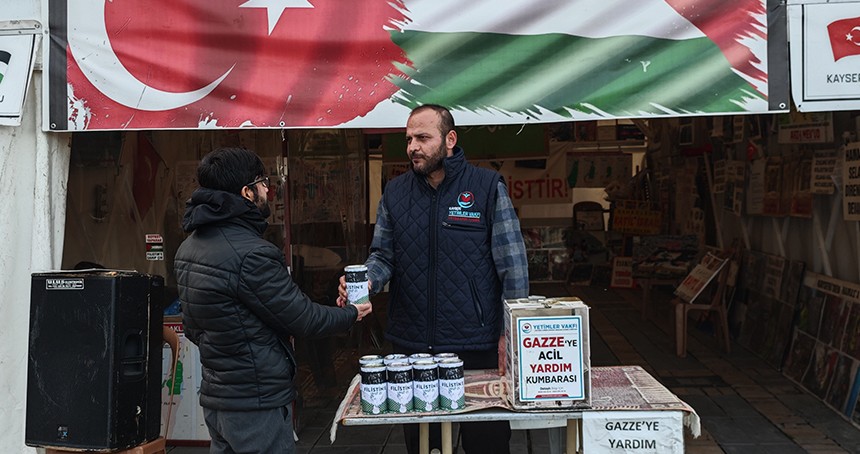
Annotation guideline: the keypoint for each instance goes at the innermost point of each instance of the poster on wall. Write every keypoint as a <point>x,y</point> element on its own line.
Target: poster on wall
<point>801,190</point>
<point>825,55</point>
<point>823,171</point>
<point>533,182</point>
<point>797,127</point>
<point>17,57</point>
<point>825,350</point>
<point>851,182</point>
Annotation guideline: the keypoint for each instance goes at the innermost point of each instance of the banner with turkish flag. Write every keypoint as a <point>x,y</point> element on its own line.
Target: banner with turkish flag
<point>844,37</point>
<point>825,55</point>
<point>178,64</point>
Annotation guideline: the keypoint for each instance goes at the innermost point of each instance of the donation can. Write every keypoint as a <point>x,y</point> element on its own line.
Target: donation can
<point>395,358</point>
<point>419,356</point>
<point>356,284</point>
<point>374,389</point>
<point>367,360</point>
<point>425,376</point>
<point>400,390</point>
<point>452,384</point>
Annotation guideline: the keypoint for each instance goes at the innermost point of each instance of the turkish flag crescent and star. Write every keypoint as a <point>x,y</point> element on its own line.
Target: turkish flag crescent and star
<point>844,37</point>
<point>229,63</point>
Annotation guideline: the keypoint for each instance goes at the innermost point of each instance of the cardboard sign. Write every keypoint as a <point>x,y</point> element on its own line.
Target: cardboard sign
<point>699,277</point>
<point>550,358</point>
<point>622,272</point>
<point>632,432</point>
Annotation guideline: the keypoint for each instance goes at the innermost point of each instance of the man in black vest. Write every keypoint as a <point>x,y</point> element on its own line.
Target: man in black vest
<point>448,243</point>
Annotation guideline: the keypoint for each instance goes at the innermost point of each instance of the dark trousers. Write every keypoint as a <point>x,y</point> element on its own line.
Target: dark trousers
<point>486,437</point>
<point>250,432</point>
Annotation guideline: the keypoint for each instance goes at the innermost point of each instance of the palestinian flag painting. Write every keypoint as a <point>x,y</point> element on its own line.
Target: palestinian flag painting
<point>178,64</point>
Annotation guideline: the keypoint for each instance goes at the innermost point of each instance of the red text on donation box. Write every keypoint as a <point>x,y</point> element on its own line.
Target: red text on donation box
<point>550,358</point>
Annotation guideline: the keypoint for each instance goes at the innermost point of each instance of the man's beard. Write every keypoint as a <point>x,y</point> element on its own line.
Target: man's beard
<point>262,206</point>
<point>432,163</point>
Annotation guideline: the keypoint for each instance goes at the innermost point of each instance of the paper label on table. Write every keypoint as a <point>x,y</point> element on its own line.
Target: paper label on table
<point>550,358</point>
<point>632,432</point>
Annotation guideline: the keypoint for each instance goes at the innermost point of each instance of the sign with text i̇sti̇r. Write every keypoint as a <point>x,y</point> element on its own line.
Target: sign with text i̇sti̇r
<point>550,358</point>
<point>633,432</point>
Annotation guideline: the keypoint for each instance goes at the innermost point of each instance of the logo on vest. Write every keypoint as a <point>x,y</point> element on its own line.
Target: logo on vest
<point>466,199</point>
<point>458,213</point>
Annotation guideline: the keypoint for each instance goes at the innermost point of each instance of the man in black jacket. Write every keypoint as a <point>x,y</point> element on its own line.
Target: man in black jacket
<point>240,307</point>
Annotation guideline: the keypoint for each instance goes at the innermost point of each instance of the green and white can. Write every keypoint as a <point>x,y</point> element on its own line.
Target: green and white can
<point>395,358</point>
<point>425,376</point>
<point>400,391</point>
<point>452,384</point>
<point>356,284</point>
<point>374,389</point>
<point>419,356</point>
<point>367,360</point>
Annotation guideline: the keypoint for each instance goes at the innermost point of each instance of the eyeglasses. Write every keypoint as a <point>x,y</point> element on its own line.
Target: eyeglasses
<point>264,180</point>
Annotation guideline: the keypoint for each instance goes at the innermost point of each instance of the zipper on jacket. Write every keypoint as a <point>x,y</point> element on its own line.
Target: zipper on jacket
<point>431,275</point>
<point>476,227</point>
<point>476,301</point>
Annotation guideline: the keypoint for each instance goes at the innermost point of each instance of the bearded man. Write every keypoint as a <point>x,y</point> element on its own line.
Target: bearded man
<point>448,241</point>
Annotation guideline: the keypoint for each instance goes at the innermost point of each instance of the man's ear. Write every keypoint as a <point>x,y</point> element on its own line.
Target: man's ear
<point>450,140</point>
<point>247,193</point>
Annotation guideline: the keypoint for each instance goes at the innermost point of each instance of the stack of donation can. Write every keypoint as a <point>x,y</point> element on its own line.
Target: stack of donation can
<point>420,382</point>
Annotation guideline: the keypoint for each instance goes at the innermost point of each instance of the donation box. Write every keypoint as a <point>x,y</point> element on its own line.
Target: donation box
<point>548,353</point>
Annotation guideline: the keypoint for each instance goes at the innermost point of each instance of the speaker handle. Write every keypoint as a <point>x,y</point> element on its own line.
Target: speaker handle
<point>133,359</point>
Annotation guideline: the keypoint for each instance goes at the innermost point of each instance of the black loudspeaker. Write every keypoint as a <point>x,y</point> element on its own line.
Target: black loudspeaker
<point>94,363</point>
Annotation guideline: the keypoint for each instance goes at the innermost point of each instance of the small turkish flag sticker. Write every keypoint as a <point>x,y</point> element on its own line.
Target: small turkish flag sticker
<point>844,37</point>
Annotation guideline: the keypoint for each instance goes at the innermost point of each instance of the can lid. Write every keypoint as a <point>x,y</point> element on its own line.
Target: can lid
<point>424,364</point>
<point>450,362</point>
<point>373,367</point>
<point>399,366</point>
<point>354,268</point>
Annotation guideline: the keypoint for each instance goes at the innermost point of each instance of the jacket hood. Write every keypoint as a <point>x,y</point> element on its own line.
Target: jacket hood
<point>211,206</point>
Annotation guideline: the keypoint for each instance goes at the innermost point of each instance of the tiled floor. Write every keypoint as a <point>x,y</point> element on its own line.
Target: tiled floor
<point>745,405</point>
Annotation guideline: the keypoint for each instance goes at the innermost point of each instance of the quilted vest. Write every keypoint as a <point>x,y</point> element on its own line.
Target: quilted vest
<point>445,294</point>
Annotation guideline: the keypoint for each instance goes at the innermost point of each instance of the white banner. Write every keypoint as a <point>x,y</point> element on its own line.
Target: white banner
<point>632,432</point>
<point>16,66</point>
<point>825,56</point>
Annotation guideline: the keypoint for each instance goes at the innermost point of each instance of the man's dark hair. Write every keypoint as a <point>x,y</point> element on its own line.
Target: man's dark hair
<point>229,169</point>
<point>446,122</point>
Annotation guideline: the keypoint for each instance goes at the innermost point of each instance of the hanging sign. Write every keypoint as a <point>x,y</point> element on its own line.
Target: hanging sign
<point>154,246</point>
<point>17,57</point>
<point>632,432</point>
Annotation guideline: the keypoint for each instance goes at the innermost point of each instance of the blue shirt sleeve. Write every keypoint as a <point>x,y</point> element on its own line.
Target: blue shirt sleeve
<point>381,260</point>
<point>509,251</point>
